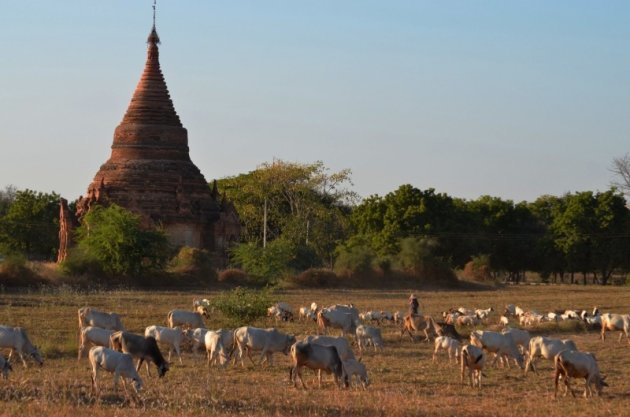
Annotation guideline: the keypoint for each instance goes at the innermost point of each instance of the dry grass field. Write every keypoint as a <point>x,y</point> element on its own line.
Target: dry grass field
<point>405,382</point>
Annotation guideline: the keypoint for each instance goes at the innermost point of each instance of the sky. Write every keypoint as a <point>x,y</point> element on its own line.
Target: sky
<point>514,99</point>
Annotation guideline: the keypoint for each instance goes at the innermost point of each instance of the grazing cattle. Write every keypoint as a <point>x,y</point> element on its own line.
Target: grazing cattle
<point>143,348</point>
<point>352,368</point>
<point>5,367</point>
<point>615,322</point>
<point>470,321</point>
<point>93,336</point>
<point>546,347</point>
<point>185,319</point>
<point>399,316</point>
<point>336,318</point>
<point>499,344</point>
<point>553,317</point>
<point>303,313</point>
<point>197,337</point>
<point>201,303</point>
<point>573,364</point>
<point>91,317</point>
<point>219,346</point>
<point>520,337</point>
<point>280,311</point>
<point>386,315</point>
<point>371,334</point>
<point>267,341</point>
<point>466,311</point>
<point>341,343</point>
<point>371,316</point>
<point>504,321</point>
<point>448,344</point>
<point>484,313</point>
<point>172,337</point>
<point>120,364</point>
<point>316,357</point>
<point>16,339</point>
<point>474,359</point>
<point>513,310</point>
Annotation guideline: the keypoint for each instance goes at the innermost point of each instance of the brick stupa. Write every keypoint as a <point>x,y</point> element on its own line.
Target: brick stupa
<point>150,171</point>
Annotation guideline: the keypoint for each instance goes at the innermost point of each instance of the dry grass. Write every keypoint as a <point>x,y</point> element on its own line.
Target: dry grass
<point>404,380</point>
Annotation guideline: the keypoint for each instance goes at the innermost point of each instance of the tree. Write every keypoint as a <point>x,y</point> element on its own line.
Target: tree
<point>303,204</point>
<point>31,224</point>
<point>115,238</point>
<point>621,168</point>
<point>7,196</point>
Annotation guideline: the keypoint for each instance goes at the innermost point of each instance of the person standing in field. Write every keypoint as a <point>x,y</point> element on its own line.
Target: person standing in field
<point>413,305</point>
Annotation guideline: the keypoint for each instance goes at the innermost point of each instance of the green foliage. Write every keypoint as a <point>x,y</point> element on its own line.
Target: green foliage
<point>264,265</point>
<point>306,206</point>
<point>354,256</point>
<point>115,238</point>
<point>243,305</point>
<point>30,225</point>
<point>192,261</point>
<point>7,196</point>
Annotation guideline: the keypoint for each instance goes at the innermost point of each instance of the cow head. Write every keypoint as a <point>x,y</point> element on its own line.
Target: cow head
<point>162,369</point>
<point>600,383</point>
<point>290,341</point>
<point>37,357</point>
<point>137,384</point>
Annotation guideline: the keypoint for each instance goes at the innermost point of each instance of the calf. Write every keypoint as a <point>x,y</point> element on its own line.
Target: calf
<point>474,359</point>
<point>16,339</point>
<point>95,318</point>
<point>5,367</point>
<point>573,364</point>
<point>316,357</point>
<point>120,364</point>
<point>267,341</point>
<point>172,337</point>
<point>93,336</point>
<point>143,348</point>
<point>184,318</point>
<point>452,346</point>
<point>546,347</point>
<point>371,334</point>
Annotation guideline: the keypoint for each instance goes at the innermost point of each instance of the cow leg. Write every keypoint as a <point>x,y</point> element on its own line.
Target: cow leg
<point>179,355</point>
<point>81,350</point>
<point>116,376</point>
<point>299,374</point>
<point>435,354</point>
<point>603,333</point>
<point>94,380</point>
<point>22,358</point>
<point>556,376</point>
<point>249,355</point>
<point>620,336</point>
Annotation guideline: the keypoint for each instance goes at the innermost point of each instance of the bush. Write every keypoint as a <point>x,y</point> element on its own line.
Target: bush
<point>233,276</point>
<point>79,263</point>
<point>264,265</point>
<point>192,261</point>
<point>315,278</point>
<point>243,305</point>
<point>354,258</point>
<point>478,269</point>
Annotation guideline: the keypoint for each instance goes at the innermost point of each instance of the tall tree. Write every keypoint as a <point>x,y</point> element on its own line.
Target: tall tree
<point>31,225</point>
<point>305,204</point>
<point>621,168</point>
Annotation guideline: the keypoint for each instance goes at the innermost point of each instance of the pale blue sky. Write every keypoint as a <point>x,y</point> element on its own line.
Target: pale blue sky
<point>509,98</point>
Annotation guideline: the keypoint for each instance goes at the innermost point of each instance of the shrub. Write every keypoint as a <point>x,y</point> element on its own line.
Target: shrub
<point>233,276</point>
<point>478,268</point>
<point>192,261</point>
<point>264,265</point>
<point>243,305</point>
<point>354,258</point>
<point>315,278</point>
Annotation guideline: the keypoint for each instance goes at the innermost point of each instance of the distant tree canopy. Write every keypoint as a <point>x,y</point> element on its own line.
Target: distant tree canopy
<point>29,223</point>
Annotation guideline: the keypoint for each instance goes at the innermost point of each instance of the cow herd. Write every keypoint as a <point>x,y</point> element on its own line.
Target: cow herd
<point>111,348</point>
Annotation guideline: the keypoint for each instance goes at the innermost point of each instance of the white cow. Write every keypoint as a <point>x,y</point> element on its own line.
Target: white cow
<point>184,318</point>
<point>499,344</point>
<point>399,316</point>
<point>267,341</point>
<point>546,347</point>
<point>474,359</point>
<point>367,334</point>
<point>341,343</point>
<point>448,344</point>
<point>219,346</point>
<point>484,313</point>
<point>520,337</point>
<point>504,321</point>
<point>615,322</point>
<point>172,337</point>
<point>93,336</point>
<point>371,316</point>
<point>197,337</point>
<point>16,339</point>
<point>118,363</point>
<point>573,364</point>
<point>5,367</point>
<point>352,368</point>
<point>95,318</point>
<point>337,318</point>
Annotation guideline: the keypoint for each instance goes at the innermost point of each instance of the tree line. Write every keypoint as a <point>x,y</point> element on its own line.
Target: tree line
<point>297,216</point>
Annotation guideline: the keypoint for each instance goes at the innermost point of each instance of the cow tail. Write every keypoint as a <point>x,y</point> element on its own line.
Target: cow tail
<point>169,317</point>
